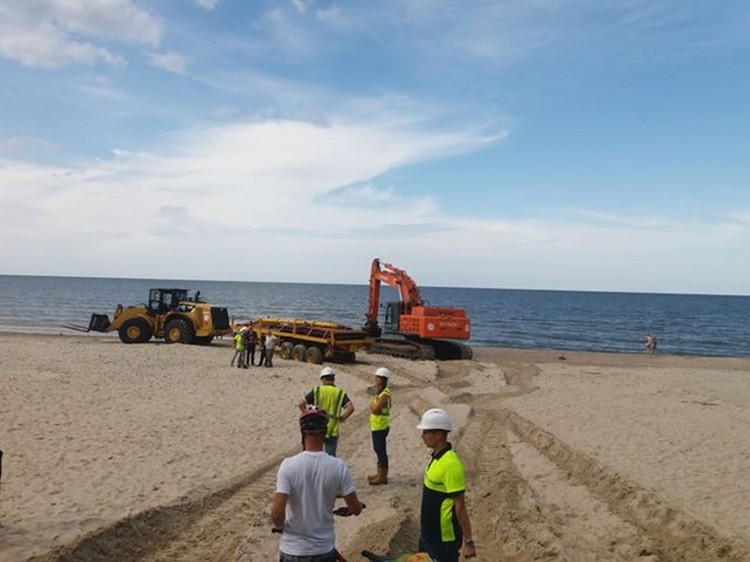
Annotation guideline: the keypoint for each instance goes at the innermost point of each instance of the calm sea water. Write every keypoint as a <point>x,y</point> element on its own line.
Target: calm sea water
<point>564,320</point>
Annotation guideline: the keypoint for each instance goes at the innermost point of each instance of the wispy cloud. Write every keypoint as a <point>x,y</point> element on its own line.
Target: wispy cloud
<point>171,62</point>
<point>53,33</point>
<point>207,4</point>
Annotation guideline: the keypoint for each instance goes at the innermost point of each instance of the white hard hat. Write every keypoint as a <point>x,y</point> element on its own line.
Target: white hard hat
<point>327,372</point>
<point>383,372</point>
<point>436,418</point>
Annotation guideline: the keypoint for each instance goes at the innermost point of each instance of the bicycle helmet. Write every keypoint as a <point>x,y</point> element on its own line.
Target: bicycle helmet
<point>313,418</point>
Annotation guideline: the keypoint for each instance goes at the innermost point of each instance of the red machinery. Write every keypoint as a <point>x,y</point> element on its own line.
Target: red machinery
<point>415,330</point>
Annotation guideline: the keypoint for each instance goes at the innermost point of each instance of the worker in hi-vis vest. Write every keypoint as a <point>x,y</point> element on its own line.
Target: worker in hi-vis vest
<point>334,401</point>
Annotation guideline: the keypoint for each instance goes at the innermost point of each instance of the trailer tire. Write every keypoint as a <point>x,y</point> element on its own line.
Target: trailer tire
<point>179,330</point>
<point>298,352</point>
<point>285,351</point>
<point>314,355</point>
<point>135,330</point>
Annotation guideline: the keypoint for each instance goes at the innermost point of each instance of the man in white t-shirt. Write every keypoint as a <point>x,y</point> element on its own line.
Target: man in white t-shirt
<point>307,485</point>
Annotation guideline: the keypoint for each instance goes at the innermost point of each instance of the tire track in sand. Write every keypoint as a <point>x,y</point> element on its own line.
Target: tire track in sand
<point>203,527</point>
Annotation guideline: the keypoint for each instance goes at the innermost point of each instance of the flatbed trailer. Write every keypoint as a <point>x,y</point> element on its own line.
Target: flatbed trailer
<point>313,341</point>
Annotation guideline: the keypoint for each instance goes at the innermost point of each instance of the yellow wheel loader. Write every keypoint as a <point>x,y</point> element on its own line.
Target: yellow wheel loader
<point>171,315</point>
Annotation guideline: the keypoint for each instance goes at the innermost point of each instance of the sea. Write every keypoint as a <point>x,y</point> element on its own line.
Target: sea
<point>705,325</point>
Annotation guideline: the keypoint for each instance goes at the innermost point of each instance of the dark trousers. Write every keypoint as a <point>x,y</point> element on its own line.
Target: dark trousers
<point>443,552</point>
<point>262,360</point>
<point>250,355</point>
<point>379,438</point>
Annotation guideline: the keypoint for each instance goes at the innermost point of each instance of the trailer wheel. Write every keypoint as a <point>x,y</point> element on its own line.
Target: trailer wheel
<point>298,352</point>
<point>135,330</point>
<point>285,351</point>
<point>179,330</point>
<point>314,355</point>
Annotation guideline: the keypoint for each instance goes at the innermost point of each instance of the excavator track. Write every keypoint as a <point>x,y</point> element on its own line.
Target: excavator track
<point>427,350</point>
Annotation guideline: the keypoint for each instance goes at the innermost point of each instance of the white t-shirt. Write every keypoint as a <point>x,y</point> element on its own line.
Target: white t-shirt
<point>312,480</point>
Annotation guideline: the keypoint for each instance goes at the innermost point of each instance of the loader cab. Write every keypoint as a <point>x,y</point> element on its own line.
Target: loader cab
<point>161,301</point>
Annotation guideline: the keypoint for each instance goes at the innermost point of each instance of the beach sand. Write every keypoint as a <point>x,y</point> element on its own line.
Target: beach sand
<point>160,452</point>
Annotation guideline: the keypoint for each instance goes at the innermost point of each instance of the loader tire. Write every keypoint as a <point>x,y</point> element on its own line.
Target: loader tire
<point>179,330</point>
<point>314,355</point>
<point>285,351</point>
<point>135,330</point>
<point>298,352</point>
<point>203,340</point>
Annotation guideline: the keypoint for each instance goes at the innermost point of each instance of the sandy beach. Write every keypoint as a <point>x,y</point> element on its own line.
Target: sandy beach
<point>160,452</point>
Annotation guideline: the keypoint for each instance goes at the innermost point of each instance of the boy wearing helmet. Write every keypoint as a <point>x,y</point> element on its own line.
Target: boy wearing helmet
<point>380,415</point>
<point>334,401</point>
<point>445,523</point>
<point>307,485</point>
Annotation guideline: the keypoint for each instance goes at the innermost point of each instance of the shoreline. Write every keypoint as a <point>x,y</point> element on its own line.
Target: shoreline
<point>483,352</point>
<point>163,452</point>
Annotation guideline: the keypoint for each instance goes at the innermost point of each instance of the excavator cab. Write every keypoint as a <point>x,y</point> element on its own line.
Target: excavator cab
<point>392,317</point>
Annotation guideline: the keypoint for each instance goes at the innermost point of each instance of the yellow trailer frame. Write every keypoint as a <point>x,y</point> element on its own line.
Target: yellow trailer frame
<point>313,341</point>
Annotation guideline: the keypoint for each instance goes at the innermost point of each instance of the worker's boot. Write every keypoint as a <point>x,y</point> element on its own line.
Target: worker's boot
<point>382,477</point>
<point>371,477</point>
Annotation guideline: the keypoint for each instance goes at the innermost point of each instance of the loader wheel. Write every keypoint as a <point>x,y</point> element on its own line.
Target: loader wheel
<point>314,355</point>
<point>285,351</point>
<point>298,352</point>
<point>135,330</point>
<point>179,330</point>
<point>203,340</point>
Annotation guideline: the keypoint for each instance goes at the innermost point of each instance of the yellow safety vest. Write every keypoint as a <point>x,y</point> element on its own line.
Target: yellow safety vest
<point>331,399</point>
<point>383,419</point>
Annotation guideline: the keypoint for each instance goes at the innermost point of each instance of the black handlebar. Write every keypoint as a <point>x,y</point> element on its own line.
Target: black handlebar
<point>342,511</point>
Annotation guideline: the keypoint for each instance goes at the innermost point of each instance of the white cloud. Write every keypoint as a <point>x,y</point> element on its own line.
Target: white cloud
<point>171,62</point>
<point>19,145</point>
<point>50,33</point>
<point>300,6</point>
<point>207,4</point>
<point>306,194</point>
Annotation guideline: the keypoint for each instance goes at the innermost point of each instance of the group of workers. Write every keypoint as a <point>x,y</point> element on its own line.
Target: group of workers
<point>245,342</point>
<point>308,483</point>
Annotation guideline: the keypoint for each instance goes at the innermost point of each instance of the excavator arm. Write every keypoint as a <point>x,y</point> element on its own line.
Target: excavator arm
<point>409,293</point>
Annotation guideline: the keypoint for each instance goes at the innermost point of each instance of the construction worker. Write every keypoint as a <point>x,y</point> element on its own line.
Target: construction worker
<point>269,344</point>
<point>444,522</point>
<point>380,412</point>
<point>307,486</point>
<point>239,348</point>
<point>251,341</point>
<point>334,401</point>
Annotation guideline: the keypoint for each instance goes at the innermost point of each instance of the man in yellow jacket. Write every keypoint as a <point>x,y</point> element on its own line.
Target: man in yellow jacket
<point>334,401</point>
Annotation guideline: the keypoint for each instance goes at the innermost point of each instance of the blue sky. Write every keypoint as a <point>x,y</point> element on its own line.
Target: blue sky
<point>547,144</point>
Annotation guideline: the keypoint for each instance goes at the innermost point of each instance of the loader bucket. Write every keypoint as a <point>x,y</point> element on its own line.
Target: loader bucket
<point>99,323</point>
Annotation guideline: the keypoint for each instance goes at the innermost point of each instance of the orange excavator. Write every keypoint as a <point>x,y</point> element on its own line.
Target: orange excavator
<point>411,329</point>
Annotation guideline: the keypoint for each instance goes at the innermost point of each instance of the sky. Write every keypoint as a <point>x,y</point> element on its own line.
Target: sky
<point>534,144</point>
